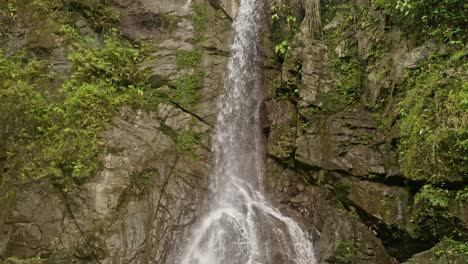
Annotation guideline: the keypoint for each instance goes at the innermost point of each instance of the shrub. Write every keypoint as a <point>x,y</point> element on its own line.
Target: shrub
<point>445,19</point>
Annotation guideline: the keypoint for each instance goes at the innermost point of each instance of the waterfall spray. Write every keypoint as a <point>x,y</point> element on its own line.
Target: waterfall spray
<point>240,226</point>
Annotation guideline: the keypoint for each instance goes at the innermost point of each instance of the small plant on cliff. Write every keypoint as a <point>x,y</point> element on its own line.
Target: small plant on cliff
<point>450,249</point>
<point>199,19</point>
<point>345,252</point>
<point>286,27</point>
<point>282,48</point>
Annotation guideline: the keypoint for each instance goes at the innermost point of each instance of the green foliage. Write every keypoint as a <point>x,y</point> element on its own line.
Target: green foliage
<point>63,141</point>
<point>462,195</point>
<point>348,75</point>
<point>142,181</point>
<point>274,11</point>
<point>345,69</point>
<point>433,115</point>
<point>185,91</point>
<point>434,197</point>
<point>187,141</point>
<point>23,103</point>
<point>286,26</point>
<point>9,10</point>
<point>282,48</point>
<point>431,217</point>
<point>21,100</point>
<point>98,12</point>
<point>345,252</point>
<point>199,19</point>
<point>114,63</point>
<point>188,58</point>
<point>445,19</point>
<point>449,249</point>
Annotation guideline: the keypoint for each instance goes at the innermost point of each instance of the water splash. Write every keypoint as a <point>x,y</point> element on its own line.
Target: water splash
<point>241,226</point>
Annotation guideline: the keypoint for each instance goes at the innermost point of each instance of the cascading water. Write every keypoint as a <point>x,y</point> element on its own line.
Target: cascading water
<point>240,225</point>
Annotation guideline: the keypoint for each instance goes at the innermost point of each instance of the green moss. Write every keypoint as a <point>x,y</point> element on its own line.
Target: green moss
<point>345,252</point>
<point>347,87</point>
<point>451,249</point>
<point>140,182</point>
<point>199,20</point>
<point>284,147</point>
<point>188,58</point>
<point>433,146</point>
<point>346,70</point>
<point>187,142</point>
<point>185,89</point>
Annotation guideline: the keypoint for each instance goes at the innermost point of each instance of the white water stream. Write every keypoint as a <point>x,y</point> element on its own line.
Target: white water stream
<point>241,226</point>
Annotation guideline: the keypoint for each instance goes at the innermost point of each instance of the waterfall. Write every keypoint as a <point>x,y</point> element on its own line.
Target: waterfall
<point>240,226</point>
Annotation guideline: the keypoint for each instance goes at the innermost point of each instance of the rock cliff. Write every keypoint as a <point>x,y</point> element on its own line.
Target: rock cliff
<point>335,73</point>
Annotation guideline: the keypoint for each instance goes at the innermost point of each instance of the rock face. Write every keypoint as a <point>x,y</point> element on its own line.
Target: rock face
<point>332,158</point>
<point>345,141</point>
<point>333,162</point>
<point>132,210</point>
<point>152,183</point>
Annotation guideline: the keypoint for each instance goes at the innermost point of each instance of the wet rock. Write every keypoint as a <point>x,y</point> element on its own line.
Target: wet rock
<point>313,59</point>
<point>103,219</point>
<point>337,227</point>
<point>346,142</point>
<point>390,204</point>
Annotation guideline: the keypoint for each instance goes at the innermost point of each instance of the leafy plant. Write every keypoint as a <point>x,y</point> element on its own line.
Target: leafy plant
<point>450,249</point>
<point>187,141</point>
<point>431,217</point>
<point>286,27</point>
<point>445,19</point>
<point>282,48</point>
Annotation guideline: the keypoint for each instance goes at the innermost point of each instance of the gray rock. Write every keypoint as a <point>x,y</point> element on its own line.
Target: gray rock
<point>345,142</point>
<point>415,57</point>
<point>390,204</point>
<point>328,223</point>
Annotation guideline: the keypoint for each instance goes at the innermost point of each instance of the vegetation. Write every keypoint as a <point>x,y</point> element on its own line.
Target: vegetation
<point>431,103</point>
<point>443,19</point>
<point>55,123</point>
<point>449,249</point>
<point>433,113</point>
<point>187,142</point>
<point>199,18</point>
<point>431,217</point>
<point>345,252</point>
<point>62,139</point>
<point>142,181</point>
<point>286,26</point>
<point>344,67</point>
